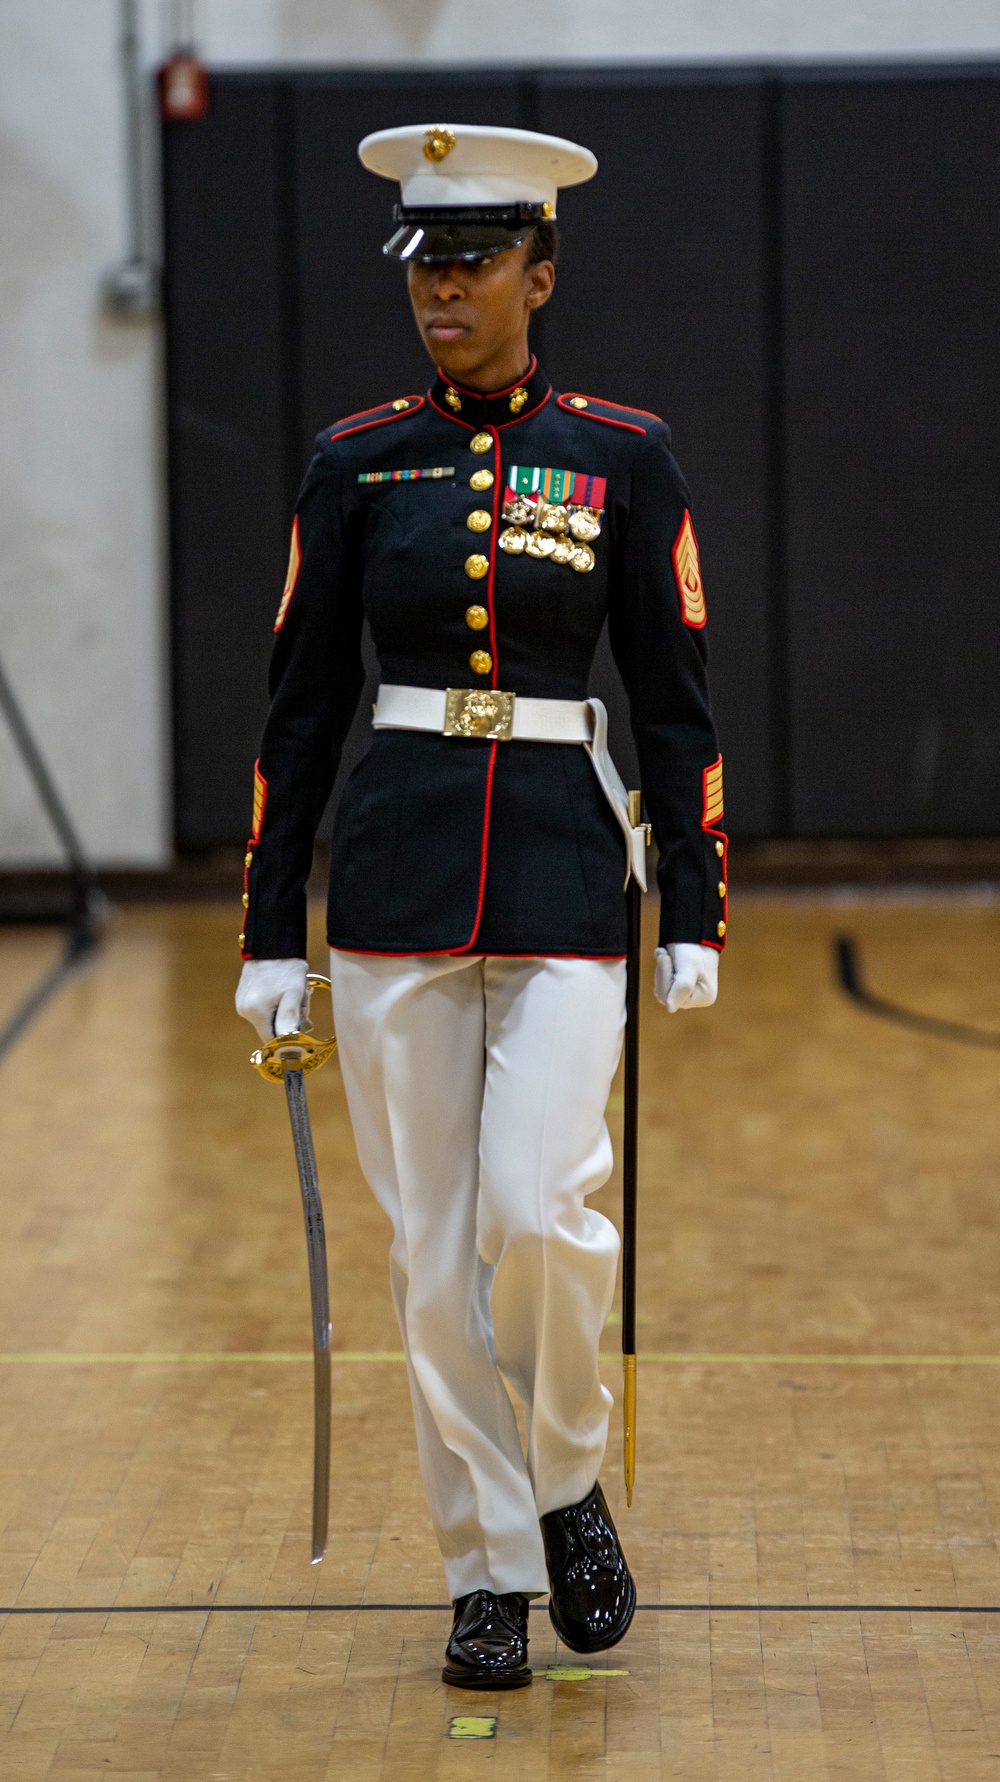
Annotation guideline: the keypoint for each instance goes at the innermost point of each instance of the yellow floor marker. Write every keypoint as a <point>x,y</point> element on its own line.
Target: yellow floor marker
<point>575,1673</point>
<point>471,1726</point>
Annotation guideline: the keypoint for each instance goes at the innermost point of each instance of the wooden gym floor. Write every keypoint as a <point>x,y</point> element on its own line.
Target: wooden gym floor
<point>814,1531</point>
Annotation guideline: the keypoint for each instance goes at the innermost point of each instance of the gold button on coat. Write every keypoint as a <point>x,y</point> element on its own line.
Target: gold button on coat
<point>248,859</point>
<point>722,887</point>
<point>400,403</point>
<point>481,661</point>
<point>477,566</point>
<point>720,931</point>
<point>479,520</point>
<point>476,617</point>
<point>480,442</point>
<point>243,940</point>
<point>720,848</point>
<point>481,479</point>
<point>578,402</point>
<point>246,901</point>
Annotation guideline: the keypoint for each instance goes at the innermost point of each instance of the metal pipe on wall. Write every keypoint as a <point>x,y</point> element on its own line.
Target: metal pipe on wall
<point>133,287</point>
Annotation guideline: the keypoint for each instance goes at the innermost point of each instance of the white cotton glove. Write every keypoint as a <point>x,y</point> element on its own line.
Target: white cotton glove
<point>687,976</point>
<point>274,996</point>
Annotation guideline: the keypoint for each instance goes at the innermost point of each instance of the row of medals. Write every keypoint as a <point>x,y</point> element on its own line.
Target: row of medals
<point>561,534</point>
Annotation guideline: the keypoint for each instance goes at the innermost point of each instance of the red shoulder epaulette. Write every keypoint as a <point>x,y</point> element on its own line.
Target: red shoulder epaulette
<point>613,414</point>
<point>376,417</point>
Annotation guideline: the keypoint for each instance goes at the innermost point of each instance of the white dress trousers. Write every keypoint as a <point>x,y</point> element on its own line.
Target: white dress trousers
<point>477,1088</point>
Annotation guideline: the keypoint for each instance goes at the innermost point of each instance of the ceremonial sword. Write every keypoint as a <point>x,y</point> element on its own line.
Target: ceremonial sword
<point>630,1143</point>
<point>288,1059</point>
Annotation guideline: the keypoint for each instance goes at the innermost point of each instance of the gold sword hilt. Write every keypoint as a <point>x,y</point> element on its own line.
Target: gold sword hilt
<point>295,1051</point>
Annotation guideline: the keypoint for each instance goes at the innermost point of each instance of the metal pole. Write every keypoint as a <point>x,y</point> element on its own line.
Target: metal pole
<point>133,288</point>
<point>88,901</point>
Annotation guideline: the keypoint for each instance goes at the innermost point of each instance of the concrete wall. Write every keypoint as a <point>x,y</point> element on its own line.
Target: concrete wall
<point>81,536</point>
<point>544,30</point>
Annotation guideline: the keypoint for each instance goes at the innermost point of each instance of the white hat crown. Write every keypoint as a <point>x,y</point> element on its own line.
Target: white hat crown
<point>475,164</point>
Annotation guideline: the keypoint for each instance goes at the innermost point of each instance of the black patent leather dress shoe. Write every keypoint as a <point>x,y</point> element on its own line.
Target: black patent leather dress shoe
<point>488,1648</point>
<point>591,1590</point>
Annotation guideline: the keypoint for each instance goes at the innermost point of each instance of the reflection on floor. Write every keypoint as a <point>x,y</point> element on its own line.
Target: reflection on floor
<point>820,1298</point>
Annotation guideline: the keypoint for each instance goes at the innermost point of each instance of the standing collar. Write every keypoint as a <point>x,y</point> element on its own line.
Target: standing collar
<point>495,408</point>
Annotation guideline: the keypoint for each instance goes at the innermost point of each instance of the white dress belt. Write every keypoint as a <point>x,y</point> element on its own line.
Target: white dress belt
<point>510,717</point>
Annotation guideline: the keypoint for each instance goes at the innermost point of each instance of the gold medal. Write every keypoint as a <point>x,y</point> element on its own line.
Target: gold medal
<point>563,552</point>
<point>481,479</point>
<point>585,524</point>
<point>479,520</point>
<point>476,566</point>
<point>540,544</point>
<point>480,442</point>
<point>582,558</point>
<point>513,540</point>
<point>520,511</point>
<point>555,518</point>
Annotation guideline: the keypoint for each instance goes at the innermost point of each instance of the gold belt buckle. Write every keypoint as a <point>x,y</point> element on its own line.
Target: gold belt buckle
<point>478,711</point>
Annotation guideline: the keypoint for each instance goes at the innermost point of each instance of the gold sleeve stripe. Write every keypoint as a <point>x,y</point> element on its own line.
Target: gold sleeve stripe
<point>294,565</point>
<point>259,801</point>
<point>712,785</point>
<point>687,569</point>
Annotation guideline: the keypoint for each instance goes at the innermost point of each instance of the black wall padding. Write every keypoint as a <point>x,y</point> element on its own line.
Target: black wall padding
<point>659,303</point>
<point>228,398</point>
<point>892,329</point>
<point>798,271</point>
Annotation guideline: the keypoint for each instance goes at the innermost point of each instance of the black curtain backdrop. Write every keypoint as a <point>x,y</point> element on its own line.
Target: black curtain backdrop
<point>798,270</point>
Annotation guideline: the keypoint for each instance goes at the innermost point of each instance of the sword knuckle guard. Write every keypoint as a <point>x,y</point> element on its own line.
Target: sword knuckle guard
<point>294,1051</point>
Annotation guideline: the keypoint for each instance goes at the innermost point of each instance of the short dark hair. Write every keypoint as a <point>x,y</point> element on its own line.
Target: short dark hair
<point>543,243</point>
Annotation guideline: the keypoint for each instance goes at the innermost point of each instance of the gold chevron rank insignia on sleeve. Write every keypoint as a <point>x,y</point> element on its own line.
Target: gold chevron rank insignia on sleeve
<point>687,569</point>
<point>712,789</point>
<point>259,801</point>
<point>294,565</point>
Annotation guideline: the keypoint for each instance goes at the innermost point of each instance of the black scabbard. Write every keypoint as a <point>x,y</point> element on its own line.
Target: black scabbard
<point>630,1171</point>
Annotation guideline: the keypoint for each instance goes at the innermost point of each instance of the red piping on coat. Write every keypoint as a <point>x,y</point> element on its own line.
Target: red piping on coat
<point>515,420</point>
<point>587,414</point>
<point>481,394</point>
<point>723,861</point>
<point>438,410</point>
<point>484,850</point>
<point>417,403</point>
<point>626,407</point>
<point>456,952</point>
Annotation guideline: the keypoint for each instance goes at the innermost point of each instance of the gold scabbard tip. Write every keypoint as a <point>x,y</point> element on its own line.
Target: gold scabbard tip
<point>628,1409</point>
<point>634,809</point>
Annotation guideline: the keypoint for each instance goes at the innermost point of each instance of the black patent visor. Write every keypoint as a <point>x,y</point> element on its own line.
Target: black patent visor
<point>460,232</point>
<point>457,241</point>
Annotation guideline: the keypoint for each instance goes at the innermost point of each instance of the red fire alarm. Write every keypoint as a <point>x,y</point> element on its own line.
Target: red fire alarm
<point>183,86</point>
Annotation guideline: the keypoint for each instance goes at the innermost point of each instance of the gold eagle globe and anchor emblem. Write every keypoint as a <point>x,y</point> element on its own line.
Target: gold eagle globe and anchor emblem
<point>486,713</point>
<point>438,142</point>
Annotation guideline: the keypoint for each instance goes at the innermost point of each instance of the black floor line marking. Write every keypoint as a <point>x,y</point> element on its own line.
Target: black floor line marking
<point>851,980</point>
<point>445,1608</point>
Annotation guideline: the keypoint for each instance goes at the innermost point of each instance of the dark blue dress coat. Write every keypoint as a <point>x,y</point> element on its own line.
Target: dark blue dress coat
<point>458,845</point>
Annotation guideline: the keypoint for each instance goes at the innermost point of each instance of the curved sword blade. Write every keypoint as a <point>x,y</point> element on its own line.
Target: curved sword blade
<point>319,1294</point>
